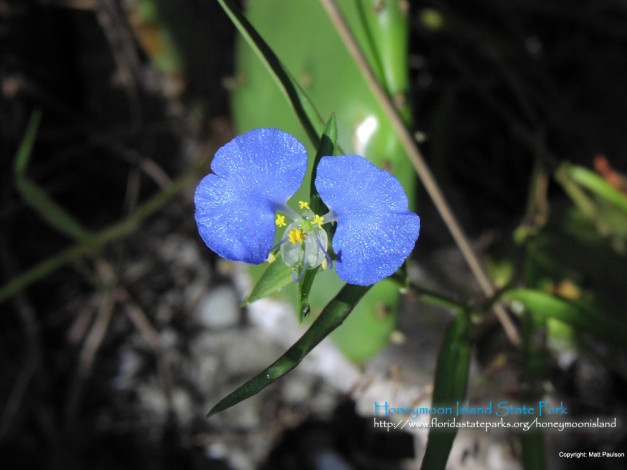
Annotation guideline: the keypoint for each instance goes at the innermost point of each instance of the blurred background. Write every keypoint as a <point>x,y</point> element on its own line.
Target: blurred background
<point>119,329</point>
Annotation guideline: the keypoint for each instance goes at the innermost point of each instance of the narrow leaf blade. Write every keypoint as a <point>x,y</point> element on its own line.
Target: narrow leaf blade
<point>56,216</point>
<point>533,450</point>
<point>584,317</point>
<point>35,196</point>
<point>451,379</point>
<point>596,184</point>
<point>534,371</point>
<point>275,277</point>
<point>302,105</point>
<point>26,147</point>
<point>327,147</point>
<point>304,288</point>
<point>330,318</point>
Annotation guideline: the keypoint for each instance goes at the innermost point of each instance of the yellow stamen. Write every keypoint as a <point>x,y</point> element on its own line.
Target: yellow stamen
<point>271,258</point>
<point>318,220</point>
<point>325,264</point>
<point>303,205</point>
<point>297,235</point>
<point>280,220</point>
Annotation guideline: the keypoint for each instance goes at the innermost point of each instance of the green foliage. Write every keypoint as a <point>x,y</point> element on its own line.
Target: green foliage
<point>36,197</point>
<point>585,317</point>
<point>156,36</point>
<point>449,387</point>
<point>545,255</point>
<point>328,147</point>
<point>563,275</point>
<point>303,107</point>
<point>432,19</point>
<point>276,276</point>
<point>598,201</point>
<point>24,152</point>
<point>320,66</point>
<point>534,372</point>
<point>594,183</point>
<point>331,317</point>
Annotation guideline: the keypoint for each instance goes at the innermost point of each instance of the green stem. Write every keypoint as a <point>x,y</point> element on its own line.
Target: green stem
<point>387,26</point>
<point>96,241</point>
<point>440,300</point>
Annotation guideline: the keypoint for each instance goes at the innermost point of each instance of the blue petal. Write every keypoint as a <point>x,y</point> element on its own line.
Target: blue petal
<point>254,175</point>
<point>375,230</point>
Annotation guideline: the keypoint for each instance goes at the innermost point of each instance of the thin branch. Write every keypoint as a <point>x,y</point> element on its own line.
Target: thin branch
<point>91,346</point>
<point>32,345</point>
<point>140,320</point>
<point>421,167</point>
<point>123,50</point>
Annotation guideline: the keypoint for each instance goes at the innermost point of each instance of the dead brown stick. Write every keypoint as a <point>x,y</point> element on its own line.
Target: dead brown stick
<point>423,170</point>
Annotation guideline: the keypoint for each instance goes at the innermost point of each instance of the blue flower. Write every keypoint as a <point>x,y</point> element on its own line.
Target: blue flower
<point>255,174</point>
<point>240,205</point>
<point>375,230</point>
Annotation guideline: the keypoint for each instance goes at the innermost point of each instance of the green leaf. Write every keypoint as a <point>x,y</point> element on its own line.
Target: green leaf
<point>302,105</point>
<point>330,318</point>
<point>328,74</point>
<point>304,288</point>
<point>534,372</point>
<point>26,147</point>
<point>595,183</point>
<point>534,353</point>
<point>584,317</point>
<point>533,450</point>
<point>327,147</point>
<point>50,211</point>
<point>367,330</point>
<point>275,277</point>
<point>451,379</point>
<point>35,196</point>
<point>387,29</point>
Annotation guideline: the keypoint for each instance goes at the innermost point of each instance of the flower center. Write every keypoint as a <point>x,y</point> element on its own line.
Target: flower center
<point>305,242</point>
<point>296,235</point>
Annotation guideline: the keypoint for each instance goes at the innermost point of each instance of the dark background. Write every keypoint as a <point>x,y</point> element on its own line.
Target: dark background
<point>505,79</point>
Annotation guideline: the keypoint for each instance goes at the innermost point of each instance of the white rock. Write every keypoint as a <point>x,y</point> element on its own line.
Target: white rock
<point>219,308</point>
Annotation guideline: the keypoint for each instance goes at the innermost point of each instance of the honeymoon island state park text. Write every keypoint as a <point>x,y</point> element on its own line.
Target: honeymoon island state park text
<point>504,408</point>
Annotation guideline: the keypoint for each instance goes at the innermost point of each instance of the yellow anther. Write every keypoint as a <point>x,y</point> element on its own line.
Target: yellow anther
<point>325,264</point>
<point>303,205</point>
<point>297,235</point>
<point>318,220</point>
<point>280,220</point>
<point>271,258</point>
